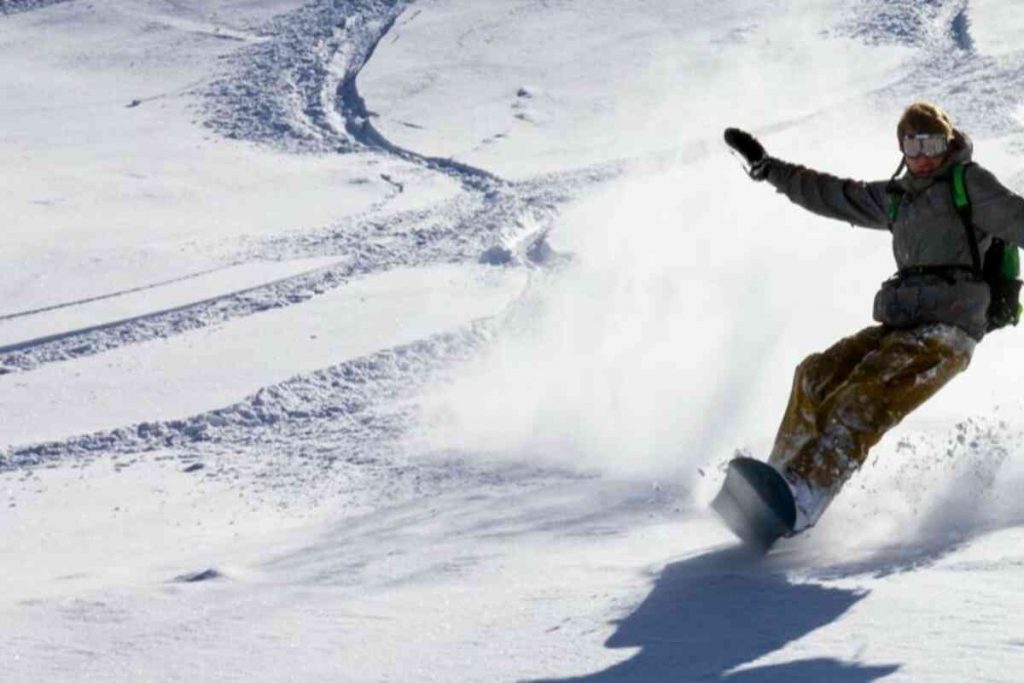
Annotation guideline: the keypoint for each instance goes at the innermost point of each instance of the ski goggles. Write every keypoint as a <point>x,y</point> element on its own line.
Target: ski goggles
<point>925,144</point>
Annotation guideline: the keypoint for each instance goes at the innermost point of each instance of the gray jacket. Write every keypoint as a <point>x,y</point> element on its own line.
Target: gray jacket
<point>927,231</point>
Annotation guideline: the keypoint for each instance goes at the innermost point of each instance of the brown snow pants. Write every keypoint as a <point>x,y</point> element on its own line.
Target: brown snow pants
<point>844,399</point>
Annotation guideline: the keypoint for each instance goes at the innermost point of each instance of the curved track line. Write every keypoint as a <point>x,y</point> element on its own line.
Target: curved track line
<point>29,343</point>
<point>298,89</point>
<point>357,117</point>
<point>112,295</point>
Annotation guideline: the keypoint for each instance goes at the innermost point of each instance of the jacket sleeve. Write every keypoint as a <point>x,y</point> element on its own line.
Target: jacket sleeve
<point>854,201</point>
<point>995,209</point>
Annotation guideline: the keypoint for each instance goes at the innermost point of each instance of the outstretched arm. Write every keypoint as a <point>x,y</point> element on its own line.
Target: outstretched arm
<point>995,209</point>
<point>853,201</point>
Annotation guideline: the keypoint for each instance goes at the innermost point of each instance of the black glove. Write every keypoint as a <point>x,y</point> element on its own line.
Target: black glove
<point>751,150</point>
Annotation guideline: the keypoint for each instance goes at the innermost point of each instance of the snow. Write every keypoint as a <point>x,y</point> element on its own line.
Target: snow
<point>365,340</point>
<point>142,191</point>
<point>67,318</point>
<point>549,87</point>
<point>211,367</point>
<point>995,30</point>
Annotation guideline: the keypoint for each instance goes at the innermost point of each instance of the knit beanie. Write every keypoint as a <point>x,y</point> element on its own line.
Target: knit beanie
<point>924,117</point>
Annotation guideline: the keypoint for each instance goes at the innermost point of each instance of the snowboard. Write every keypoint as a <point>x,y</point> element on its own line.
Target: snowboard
<point>755,503</point>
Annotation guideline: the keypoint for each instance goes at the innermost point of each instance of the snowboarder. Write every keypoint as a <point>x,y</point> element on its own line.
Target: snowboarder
<point>955,231</point>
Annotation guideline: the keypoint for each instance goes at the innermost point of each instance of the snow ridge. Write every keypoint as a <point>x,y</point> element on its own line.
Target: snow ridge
<point>339,403</point>
<point>30,355</point>
<point>359,125</point>
<point>298,90</point>
<point>8,7</point>
<point>948,69</point>
<point>282,91</point>
<point>920,24</point>
<point>466,229</point>
<point>295,89</point>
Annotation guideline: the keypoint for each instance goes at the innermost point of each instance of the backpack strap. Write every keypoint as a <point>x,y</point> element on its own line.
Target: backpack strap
<point>895,193</point>
<point>962,202</point>
<point>894,206</point>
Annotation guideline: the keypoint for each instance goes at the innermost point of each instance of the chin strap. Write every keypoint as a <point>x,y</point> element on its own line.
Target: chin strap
<point>899,169</point>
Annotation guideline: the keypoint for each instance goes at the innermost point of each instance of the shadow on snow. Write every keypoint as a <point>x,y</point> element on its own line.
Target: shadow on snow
<point>711,613</point>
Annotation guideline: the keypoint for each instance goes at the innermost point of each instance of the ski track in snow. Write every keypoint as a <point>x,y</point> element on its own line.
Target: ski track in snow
<point>110,295</point>
<point>283,91</point>
<point>299,89</point>
<point>315,54</point>
<point>947,66</point>
<point>506,227</point>
<point>345,409</point>
<point>295,89</point>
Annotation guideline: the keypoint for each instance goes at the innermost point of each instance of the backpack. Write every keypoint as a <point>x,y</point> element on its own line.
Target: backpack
<point>1001,265</point>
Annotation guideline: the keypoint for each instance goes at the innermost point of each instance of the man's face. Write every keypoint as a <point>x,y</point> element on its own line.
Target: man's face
<point>924,165</point>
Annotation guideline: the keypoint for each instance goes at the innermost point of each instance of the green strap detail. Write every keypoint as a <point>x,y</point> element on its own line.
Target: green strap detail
<point>1009,269</point>
<point>959,189</point>
<point>963,207</point>
<point>894,206</point>
<point>1011,262</point>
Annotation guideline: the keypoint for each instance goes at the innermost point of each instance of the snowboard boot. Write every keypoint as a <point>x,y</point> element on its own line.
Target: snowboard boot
<point>809,500</point>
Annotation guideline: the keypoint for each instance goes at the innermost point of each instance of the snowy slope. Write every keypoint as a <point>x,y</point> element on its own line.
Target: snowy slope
<point>375,340</point>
